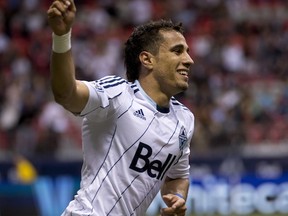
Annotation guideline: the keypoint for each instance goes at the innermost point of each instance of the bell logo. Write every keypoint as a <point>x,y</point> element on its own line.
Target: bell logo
<point>142,162</point>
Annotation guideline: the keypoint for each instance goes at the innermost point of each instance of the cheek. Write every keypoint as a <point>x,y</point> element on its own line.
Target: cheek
<point>167,71</point>
<point>165,67</point>
<point>168,64</point>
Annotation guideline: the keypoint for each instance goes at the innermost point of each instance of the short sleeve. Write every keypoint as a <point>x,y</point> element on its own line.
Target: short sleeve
<point>104,96</point>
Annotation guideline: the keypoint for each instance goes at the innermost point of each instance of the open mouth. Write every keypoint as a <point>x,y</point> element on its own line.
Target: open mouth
<point>183,72</point>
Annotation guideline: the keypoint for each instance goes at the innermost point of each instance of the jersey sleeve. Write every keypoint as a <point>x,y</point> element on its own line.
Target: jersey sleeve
<point>104,96</point>
<point>182,168</point>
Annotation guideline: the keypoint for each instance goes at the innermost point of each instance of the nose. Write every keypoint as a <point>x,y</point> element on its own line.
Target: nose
<point>188,61</point>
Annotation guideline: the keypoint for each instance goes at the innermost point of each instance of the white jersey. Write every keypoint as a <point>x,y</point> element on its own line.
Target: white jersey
<point>129,148</point>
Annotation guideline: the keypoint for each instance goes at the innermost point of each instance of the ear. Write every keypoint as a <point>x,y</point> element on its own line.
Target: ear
<point>146,58</point>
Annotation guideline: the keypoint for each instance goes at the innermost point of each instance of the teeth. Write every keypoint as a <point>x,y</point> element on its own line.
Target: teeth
<point>183,72</point>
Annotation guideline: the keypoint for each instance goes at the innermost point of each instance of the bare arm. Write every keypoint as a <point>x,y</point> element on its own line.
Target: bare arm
<point>67,91</point>
<point>174,193</point>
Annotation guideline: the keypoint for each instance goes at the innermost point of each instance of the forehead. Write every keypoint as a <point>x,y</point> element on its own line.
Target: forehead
<point>172,38</point>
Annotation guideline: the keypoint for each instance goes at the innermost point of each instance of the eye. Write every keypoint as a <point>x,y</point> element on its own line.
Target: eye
<point>177,51</point>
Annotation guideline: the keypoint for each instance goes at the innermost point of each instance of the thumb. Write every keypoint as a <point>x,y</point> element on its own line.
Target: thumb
<point>71,4</point>
<point>168,199</point>
<point>167,196</point>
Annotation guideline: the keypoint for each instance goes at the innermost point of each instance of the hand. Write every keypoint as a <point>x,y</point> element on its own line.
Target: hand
<point>61,15</point>
<point>175,205</point>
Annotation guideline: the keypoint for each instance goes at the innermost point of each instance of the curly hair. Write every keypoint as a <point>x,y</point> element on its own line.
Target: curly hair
<point>145,37</point>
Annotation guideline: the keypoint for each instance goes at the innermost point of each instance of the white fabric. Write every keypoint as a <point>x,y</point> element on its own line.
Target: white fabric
<point>61,44</point>
<point>129,147</point>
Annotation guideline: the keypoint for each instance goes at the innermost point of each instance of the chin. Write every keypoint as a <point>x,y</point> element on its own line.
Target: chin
<point>181,89</point>
<point>184,87</point>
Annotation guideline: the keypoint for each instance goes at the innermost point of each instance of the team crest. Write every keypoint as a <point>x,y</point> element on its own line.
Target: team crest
<point>182,138</point>
<point>98,87</point>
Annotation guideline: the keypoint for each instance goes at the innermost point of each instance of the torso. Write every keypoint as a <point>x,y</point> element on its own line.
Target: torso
<point>128,155</point>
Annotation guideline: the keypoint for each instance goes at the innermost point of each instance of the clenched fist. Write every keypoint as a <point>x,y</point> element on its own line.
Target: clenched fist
<point>61,15</point>
<point>175,205</point>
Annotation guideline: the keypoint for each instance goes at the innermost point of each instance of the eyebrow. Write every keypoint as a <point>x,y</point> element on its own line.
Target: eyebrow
<point>180,46</point>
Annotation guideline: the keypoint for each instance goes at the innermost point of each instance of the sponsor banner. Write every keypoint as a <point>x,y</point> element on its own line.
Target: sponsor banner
<point>236,185</point>
<point>217,187</point>
<point>218,195</point>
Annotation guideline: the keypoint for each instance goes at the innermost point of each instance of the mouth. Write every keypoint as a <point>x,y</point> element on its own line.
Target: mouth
<point>183,72</point>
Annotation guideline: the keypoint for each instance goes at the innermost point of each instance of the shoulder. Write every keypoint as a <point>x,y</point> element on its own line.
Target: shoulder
<point>179,106</point>
<point>182,110</point>
<point>110,85</point>
<point>110,82</point>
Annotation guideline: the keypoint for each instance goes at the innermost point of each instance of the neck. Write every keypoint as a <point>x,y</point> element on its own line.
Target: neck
<point>154,92</point>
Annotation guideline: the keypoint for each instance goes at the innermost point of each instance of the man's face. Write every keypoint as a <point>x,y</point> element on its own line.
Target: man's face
<point>172,63</point>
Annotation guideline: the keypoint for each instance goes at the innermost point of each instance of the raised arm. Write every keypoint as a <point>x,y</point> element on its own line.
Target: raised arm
<point>69,92</point>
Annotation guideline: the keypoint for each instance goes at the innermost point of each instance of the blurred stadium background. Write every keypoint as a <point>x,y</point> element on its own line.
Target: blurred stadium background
<point>238,93</point>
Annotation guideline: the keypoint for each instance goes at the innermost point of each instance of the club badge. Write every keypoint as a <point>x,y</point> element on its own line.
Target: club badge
<point>98,87</point>
<point>182,138</point>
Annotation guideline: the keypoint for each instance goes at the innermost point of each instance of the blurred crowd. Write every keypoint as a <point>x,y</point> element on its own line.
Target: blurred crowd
<point>239,82</point>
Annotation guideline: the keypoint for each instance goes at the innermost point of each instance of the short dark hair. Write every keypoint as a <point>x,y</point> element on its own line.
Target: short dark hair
<point>145,37</point>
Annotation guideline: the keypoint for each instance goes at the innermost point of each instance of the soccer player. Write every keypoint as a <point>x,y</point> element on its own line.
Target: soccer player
<point>136,135</point>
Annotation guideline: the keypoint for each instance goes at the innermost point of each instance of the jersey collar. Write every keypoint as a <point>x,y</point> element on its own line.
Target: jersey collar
<point>150,100</point>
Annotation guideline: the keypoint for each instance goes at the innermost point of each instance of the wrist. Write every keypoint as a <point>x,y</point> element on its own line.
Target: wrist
<point>179,195</point>
<point>61,44</point>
